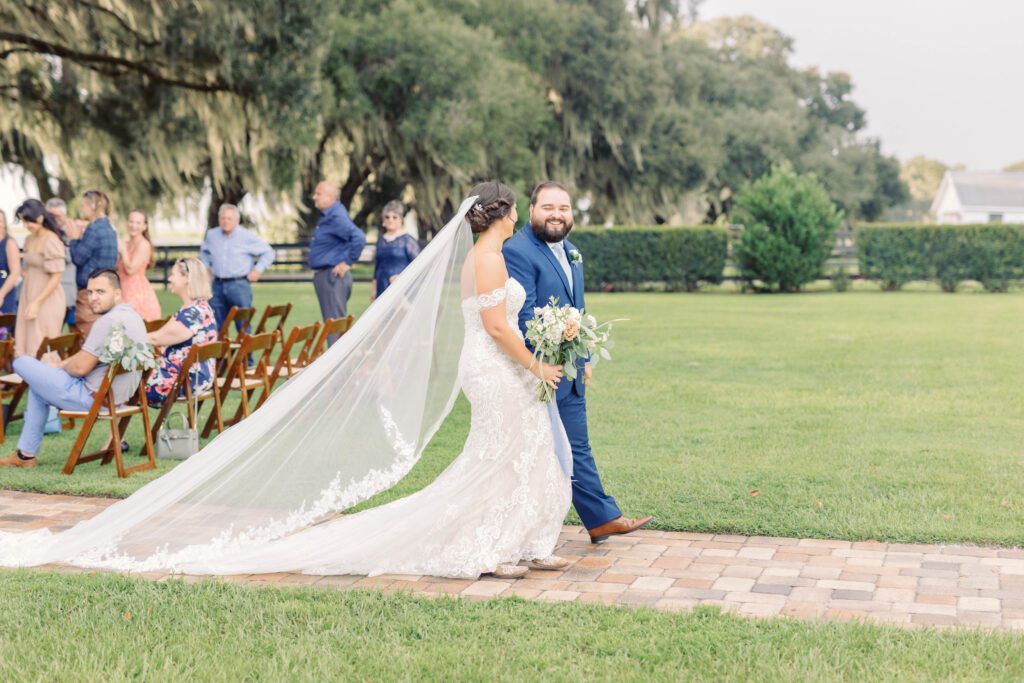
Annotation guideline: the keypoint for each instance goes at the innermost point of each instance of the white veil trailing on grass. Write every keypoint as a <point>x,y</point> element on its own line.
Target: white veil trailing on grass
<point>349,426</point>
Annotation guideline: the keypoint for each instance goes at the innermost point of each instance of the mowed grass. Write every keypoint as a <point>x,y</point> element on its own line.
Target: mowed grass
<point>894,416</point>
<point>106,627</point>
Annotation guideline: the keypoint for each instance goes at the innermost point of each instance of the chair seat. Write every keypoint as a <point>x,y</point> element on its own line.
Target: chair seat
<point>201,396</point>
<point>250,383</point>
<point>291,372</point>
<point>104,414</point>
<point>13,378</point>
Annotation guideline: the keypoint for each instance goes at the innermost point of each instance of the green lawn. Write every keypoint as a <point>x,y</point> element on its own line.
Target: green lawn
<point>104,627</point>
<point>894,416</point>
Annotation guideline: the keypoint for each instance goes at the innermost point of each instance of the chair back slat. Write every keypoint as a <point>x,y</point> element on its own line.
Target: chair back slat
<point>64,346</point>
<point>154,325</point>
<point>236,314</point>
<point>338,326</point>
<point>271,313</point>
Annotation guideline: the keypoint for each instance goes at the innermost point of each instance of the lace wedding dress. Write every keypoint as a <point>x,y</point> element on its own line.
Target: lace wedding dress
<point>501,501</point>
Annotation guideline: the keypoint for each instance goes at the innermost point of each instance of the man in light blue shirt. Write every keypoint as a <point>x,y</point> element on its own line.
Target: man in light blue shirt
<point>237,257</point>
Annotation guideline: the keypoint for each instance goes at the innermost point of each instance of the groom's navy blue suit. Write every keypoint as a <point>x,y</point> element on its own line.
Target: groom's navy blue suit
<point>531,262</point>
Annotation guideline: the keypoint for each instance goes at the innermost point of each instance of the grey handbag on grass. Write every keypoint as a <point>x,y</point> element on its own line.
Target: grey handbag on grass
<point>178,444</point>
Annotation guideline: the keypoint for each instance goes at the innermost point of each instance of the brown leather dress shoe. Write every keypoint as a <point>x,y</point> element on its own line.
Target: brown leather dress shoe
<point>14,461</point>
<point>619,525</point>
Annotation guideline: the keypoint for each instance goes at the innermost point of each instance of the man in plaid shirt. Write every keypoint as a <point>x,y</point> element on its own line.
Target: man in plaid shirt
<point>93,249</point>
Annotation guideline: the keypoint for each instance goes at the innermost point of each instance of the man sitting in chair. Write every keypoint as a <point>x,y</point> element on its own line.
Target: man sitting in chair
<point>71,384</point>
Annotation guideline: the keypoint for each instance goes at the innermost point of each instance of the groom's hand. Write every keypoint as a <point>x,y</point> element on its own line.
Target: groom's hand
<point>588,373</point>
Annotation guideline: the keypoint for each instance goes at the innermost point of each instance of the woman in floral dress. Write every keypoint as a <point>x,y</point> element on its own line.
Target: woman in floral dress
<point>194,323</point>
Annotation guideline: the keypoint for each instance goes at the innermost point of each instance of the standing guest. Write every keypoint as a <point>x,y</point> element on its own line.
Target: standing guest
<point>194,323</point>
<point>229,252</point>
<point>72,383</point>
<point>336,245</point>
<point>395,249</point>
<point>135,256</point>
<point>91,250</point>
<point>10,271</point>
<point>58,210</point>
<point>41,309</point>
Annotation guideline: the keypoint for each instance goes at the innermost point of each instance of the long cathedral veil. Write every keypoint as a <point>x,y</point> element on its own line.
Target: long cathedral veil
<point>349,426</point>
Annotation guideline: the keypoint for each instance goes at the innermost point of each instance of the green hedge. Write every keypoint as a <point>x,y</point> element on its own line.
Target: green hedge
<point>992,254</point>
<point>625,257</point>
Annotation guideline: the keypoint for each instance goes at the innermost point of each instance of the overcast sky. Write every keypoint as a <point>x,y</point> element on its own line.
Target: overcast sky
<point>942,78</point>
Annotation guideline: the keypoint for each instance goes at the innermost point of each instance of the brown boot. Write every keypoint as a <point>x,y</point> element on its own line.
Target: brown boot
<point>14,460</point>
<point>619,525</point>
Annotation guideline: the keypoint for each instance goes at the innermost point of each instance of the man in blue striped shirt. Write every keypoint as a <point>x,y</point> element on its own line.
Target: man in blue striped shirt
<point>335,247</point>
<point>237,257</point>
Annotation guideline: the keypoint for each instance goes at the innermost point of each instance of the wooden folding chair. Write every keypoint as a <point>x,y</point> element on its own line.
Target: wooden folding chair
<point>154,325</point>
<point>65,346</point>
<point>6,353</point>
<point>338,326</point>
<point>103,408</point>
<point>9,320</point>
<point>236,314</point>
<point>181,392</point>
<point>301,338</point>
<point>238,378</point>
<point>272,313</point>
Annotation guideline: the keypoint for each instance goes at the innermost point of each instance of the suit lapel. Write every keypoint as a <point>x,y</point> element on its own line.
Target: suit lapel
<point>549,255</point>
<point>577,276</point>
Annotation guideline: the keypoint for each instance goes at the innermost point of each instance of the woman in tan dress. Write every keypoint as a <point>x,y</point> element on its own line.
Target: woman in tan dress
<point>41,308</point>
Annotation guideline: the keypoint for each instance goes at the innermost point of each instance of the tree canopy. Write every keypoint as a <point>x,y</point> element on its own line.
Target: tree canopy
<point>637,105</point>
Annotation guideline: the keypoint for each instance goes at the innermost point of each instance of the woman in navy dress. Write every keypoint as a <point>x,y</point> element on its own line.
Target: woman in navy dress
<point>395,249</point>
<point>10,271</point>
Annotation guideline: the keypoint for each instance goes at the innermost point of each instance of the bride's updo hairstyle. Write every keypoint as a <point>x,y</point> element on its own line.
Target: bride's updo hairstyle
<point>494,200</point>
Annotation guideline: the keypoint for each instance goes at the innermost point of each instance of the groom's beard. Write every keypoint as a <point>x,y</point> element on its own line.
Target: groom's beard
<point>551,230</point>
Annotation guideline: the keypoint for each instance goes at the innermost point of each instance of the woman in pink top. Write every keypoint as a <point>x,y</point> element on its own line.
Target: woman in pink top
<point>135,255</point>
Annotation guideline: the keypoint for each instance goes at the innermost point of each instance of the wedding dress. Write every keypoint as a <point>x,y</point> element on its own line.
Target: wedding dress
<point>501,501</point>
<point>264,495</point>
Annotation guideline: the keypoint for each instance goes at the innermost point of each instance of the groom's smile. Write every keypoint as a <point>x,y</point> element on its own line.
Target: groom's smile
<point>551,215</point>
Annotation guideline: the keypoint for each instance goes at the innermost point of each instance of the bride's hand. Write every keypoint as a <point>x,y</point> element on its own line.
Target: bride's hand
<point>549,374</point>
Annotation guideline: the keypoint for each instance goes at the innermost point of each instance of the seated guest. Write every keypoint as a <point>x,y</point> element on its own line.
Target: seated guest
<point>135,255</point>
<point>72,383</point>
<point>194,323</point>
<point>92,249</point>
<point>395,249</point>
<point>237,256</point>
<point>10,272</point>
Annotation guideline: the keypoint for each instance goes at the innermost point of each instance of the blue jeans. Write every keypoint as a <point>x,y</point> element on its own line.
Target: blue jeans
<point>228,293</point>
<point>47,386</point>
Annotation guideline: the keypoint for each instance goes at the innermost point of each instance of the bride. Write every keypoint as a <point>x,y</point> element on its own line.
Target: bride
<point>255,500</point>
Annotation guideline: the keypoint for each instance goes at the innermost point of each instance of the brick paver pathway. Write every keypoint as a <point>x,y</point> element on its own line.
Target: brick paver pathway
<point>750,575</point>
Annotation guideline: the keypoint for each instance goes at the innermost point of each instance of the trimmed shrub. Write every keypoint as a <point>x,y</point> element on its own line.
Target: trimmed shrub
<point>625,257</point>
<point>992,254</point>
<point>790,225</point>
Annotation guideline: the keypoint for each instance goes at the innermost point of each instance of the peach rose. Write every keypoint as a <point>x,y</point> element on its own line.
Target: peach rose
<point>572,329</point>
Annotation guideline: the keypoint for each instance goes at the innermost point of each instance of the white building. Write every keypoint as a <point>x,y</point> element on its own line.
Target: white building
<point>980,197</point>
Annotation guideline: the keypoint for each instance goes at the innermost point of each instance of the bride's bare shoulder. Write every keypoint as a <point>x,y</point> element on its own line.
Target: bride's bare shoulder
<point>489,269</point>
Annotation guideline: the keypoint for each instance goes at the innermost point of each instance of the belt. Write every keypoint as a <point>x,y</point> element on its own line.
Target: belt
<point>230,279</point>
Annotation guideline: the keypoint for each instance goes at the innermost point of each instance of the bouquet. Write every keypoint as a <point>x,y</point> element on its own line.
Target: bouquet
<point>120,349</point>
<point>561,335</point>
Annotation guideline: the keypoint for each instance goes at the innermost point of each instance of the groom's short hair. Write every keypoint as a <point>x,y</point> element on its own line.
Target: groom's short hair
<point>547,185</point>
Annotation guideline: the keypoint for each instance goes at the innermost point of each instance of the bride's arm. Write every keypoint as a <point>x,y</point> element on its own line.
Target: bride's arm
<point>491,275</point>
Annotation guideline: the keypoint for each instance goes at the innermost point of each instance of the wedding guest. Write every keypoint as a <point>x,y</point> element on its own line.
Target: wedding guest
<point>336,245</point>
<point>237,256</point>
<point>395,249</point>
<point>72,383</point>
<point>93,249</point>
<point>58,210</point>
<point>135,255</point>
<point>10,271</point>
<point>41,307</point>
<point>194,323</point>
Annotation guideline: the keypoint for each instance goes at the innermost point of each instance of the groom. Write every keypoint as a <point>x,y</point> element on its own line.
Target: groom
<point>546,264</point>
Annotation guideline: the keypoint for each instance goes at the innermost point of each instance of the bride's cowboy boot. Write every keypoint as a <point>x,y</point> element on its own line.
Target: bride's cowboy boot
<point>551,563</point>
<point>619,525</point>
<point>509,571</point>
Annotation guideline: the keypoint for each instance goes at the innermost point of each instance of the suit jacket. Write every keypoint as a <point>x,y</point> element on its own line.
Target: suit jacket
<point>531,262</point>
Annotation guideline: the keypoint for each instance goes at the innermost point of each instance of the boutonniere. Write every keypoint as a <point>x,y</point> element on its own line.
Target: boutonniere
<point>576,257</point>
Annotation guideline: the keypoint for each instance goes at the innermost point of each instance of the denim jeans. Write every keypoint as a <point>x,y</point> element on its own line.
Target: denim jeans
<point>48,386</point>
<point>228,293</point>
